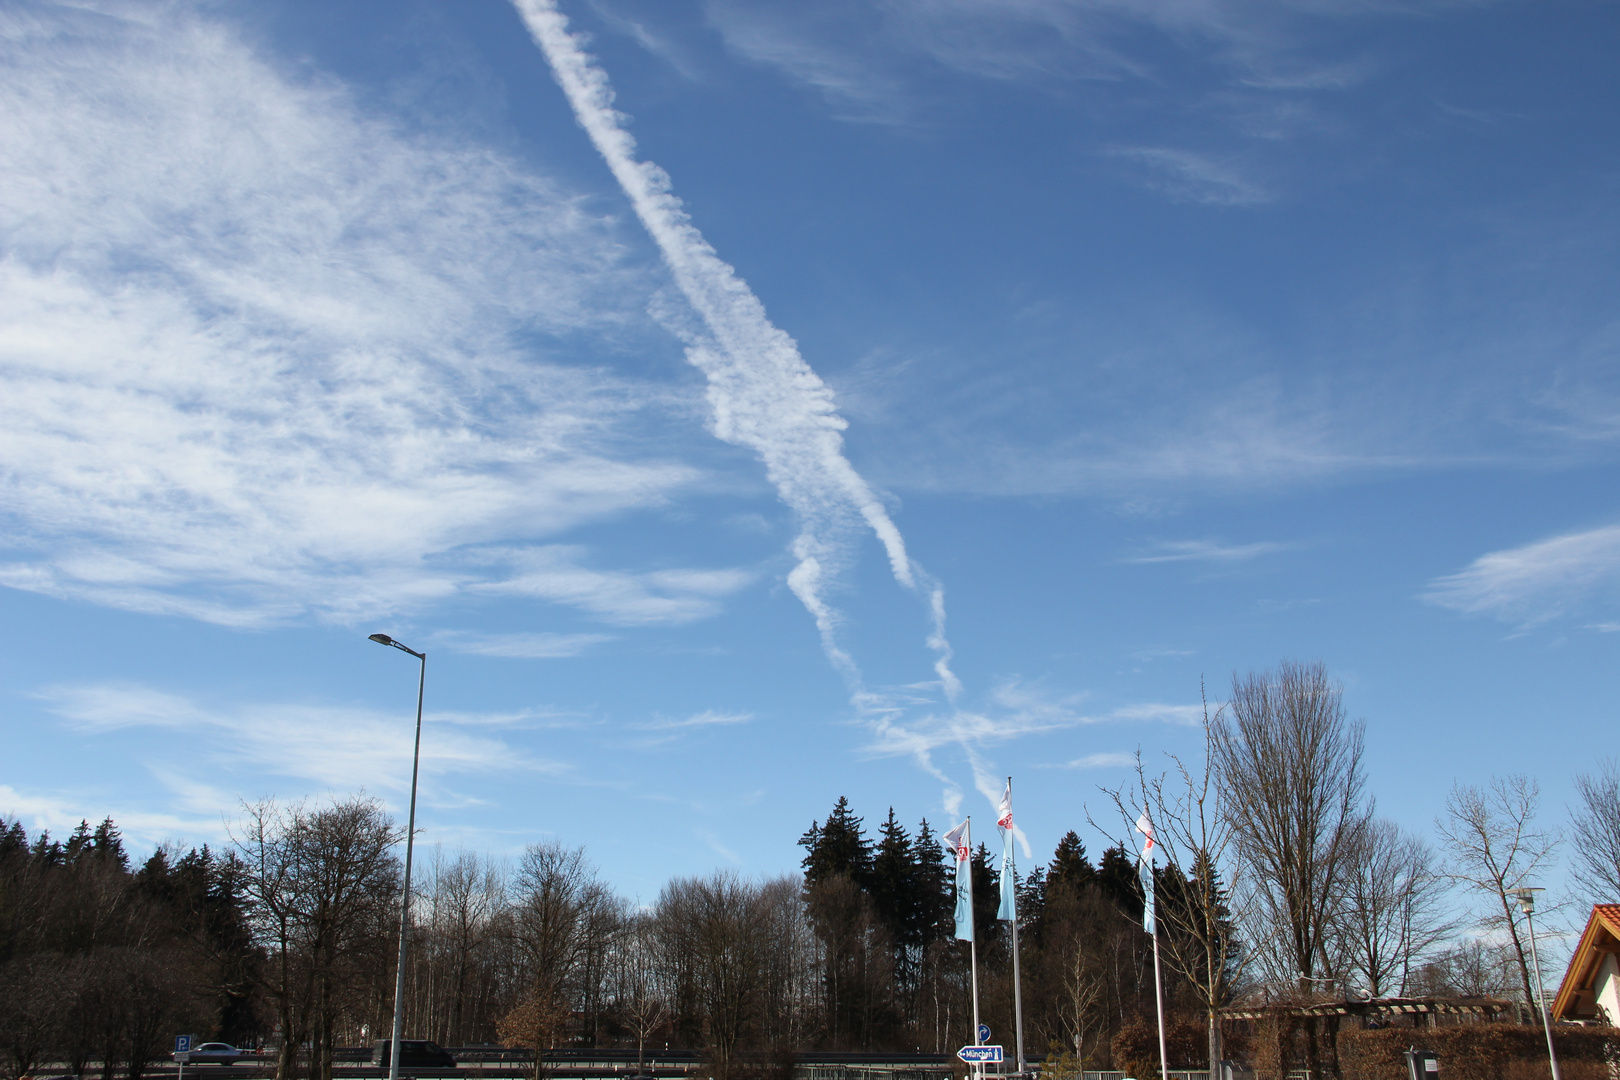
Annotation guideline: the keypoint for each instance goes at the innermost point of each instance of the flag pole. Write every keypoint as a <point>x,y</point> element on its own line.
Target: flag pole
<point>1150,923</point>
<point>961,841</point>
<point>1018,986</point>
<point>1158,997</point>
<point>973,952</point>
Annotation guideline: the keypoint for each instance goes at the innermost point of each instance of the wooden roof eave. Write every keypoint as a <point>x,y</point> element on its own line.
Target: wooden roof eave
<point>1583,964</point>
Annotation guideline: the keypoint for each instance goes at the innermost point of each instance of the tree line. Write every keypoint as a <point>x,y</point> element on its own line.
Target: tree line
<point>1275,877</point>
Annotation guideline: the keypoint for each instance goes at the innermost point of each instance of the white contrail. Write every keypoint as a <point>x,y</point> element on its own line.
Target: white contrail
<point>763,394</point>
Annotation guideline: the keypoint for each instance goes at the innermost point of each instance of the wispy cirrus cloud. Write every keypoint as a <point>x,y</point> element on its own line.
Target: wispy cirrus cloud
<point>1563,575</point>
<point>1190,176</point>
<point>1158,712</point>
<point>1164,551</point>
<point>1013,711</point>
<point>539,646</point>
<point>662,731</point>
<point>708,718</point>
<point>263,353</point>
<point>658,597</point>
<point>333,748</point>
<point>869,61</point>
<point>1096,761</point>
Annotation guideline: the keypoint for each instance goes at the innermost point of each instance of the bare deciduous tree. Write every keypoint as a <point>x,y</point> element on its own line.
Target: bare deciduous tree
<point>1195,836</point>
<point>787,964</point>
<point>1293,792</point>
<point>1394,909</point>
<point>1082,987</point>
<point>1595,828</point>
<point>642,998</point>
<point>465,897</point>
<point>32,991</point>
<point>1470,968</point>
<point>715,935</point>
<point>559,899</point>
<point>324,884</point>
<point>1496,848</point>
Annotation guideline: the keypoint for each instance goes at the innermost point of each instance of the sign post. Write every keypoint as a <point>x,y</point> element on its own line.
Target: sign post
<point>182,1054</point>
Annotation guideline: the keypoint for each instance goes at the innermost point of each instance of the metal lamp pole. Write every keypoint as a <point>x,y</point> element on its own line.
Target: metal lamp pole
<point>1527,904</point>
<point>410,837</point>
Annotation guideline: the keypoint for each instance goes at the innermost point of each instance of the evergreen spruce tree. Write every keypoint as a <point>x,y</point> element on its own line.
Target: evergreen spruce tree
<point>1032,904</point>
<point>931,885</point>
<point>107,845</point>
<point>986,900</point>
<point>1070,867</point>
<point>894,869</point>
<point>45,852</point>
<point>13,842</point>
<point>839,847</point>
<point>1118,880</point>
<point>79,844</point>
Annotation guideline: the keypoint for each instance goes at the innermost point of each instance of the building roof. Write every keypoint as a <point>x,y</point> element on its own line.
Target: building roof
<point>1576,1000</point>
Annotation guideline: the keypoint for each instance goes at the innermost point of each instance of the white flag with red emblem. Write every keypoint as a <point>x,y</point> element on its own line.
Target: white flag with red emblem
<point>1145,827</point>
<point>1008,911</point>
<point>960,841</point>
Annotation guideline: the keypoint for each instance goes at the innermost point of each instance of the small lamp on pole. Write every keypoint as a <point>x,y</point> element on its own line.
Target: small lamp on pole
<point>410,837</point>
<point>1527,904</point>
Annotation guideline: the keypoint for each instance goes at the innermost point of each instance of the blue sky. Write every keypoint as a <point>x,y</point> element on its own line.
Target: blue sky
<point>987,375</point>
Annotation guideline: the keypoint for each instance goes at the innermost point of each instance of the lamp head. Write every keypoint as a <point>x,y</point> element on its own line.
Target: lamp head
<point>384,639</point>
<point>1526,898</point>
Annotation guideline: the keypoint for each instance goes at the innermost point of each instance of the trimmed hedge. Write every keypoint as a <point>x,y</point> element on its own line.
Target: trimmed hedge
<point>1136,1046</point>
<point>1475,1051</point>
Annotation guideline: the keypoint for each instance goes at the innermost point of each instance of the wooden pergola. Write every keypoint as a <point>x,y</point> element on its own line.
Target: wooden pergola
<point>1371,1009</point>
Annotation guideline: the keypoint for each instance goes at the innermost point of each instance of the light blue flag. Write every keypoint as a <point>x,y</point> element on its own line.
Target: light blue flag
<point>1008,912</point>
<point>961,845</point>
<point>1146,870</point>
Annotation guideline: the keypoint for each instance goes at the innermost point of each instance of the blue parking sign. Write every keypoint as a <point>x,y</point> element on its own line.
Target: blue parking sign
<point>182,1043</point>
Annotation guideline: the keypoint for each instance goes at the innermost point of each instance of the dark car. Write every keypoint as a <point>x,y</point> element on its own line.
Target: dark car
<point>215,1054</point>
<point>413,1053</point>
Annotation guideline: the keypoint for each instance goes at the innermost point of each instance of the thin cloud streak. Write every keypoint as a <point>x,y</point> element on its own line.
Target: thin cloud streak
<point>1098,761</point>
<point>705,719</point>
<point>762,393</point>
<point>1537,582</point>
<point>1166,551</point>
<point>662,597</point>
<point>334,748</point>
<point>1016,711</point>
<point>518,646</point>
<point>1188,176</point>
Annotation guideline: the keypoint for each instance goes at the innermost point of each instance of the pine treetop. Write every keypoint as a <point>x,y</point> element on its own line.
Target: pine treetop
<point>839,847</point>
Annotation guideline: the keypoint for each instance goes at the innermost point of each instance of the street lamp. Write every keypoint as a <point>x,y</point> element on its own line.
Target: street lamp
<point>410,836</point>
<point>1527,903</point>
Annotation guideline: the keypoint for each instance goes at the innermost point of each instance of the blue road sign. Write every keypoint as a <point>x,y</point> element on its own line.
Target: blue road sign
<point>182,1043</point>
<point>980,1053</point>
<point>984,1034</point>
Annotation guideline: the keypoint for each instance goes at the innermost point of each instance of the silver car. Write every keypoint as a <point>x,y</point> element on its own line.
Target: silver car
<point>215,1054</point>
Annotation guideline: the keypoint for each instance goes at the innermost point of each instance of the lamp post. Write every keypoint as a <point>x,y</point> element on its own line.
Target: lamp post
<point>1527,904</point>
<point>410,837</point>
